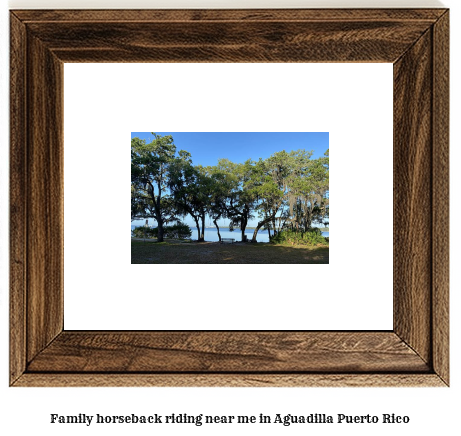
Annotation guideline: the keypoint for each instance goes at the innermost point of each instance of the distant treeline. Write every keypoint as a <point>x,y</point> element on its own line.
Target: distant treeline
<point>288,190</point>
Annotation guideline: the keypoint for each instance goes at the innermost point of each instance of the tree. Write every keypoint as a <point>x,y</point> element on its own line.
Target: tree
<point>309,193</point>
<point>191,189</point>
<point>272,187</point>
<point>221,187</point>
<point>138,207</point>
<point>269,187</point>
<point>150,168</point>
<point>241,198</point>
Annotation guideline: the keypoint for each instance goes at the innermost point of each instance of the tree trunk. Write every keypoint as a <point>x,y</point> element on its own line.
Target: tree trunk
<point>158,212</point>
<point>243,224</point>
<point>308,224</point>
<point>260,224</point>
<point>217,228</point>
<point>198,228</point>
<point>202,238</point>
<point>160,230</point>
<point>253,239</point>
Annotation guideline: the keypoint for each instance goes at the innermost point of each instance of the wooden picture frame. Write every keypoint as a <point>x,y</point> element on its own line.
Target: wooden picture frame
<point>414,353</point>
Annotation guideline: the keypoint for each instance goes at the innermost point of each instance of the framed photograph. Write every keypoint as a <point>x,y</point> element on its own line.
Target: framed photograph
<point>414,353</point>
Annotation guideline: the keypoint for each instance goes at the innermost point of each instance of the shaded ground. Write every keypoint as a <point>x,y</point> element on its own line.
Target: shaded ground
<point>214,252</point>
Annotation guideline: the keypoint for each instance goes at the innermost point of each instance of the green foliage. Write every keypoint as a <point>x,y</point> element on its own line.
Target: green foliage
<point>240,197</point>
<point>191,189</point>
<point>176,231</point>
<point>150,174</point>
<point>143,231</point>
<point>312,237</point>
<point>288,189</point>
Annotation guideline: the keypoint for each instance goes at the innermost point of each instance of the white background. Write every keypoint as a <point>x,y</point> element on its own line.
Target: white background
<point>104,103</point>
<point>432,411</point>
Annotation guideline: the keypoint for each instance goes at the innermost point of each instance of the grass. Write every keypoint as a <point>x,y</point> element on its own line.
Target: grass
<point>215,253</point>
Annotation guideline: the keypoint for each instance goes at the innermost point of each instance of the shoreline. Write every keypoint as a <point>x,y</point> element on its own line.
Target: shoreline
<point>322,229</point>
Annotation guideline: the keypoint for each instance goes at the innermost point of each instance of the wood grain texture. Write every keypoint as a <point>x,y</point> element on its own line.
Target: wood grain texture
<point>18,193</point>
<point>243,41</point>
<point>45,233</point>
<point>227,352</point>
<point>413,196</point>
<point>441,213</point>
<point>140,15</point>
<point>415,354</point>
<point>230,380</point>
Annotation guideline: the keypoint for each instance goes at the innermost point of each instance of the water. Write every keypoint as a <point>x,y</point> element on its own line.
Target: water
<point>211,234</point>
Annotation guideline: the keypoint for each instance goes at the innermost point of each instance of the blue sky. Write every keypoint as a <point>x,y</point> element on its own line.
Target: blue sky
<point>208,147</point>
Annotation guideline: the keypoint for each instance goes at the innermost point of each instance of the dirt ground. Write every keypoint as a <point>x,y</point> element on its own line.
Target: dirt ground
<point>215,253</point>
